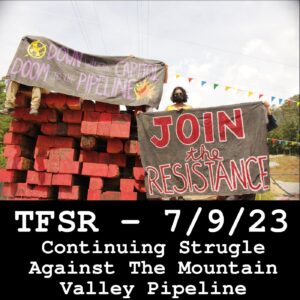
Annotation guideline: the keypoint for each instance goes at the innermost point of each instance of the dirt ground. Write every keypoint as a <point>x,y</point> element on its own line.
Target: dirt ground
<point>286,169</point>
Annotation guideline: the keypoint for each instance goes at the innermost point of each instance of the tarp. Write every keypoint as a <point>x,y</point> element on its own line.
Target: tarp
<point>216,150</point>
<point>121,80</point>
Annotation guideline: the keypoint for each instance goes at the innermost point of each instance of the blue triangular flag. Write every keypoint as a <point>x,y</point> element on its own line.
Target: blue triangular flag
<point>280,101</point>
<point>273,98</point>
<point>202,83</point>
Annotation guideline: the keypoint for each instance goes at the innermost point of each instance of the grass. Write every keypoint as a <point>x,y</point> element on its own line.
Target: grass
<point>266,196</point>
<point>288,165</point>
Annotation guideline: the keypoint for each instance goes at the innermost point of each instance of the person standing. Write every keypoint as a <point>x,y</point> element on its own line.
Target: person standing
<point>10,102</point>
<point>179,98</point>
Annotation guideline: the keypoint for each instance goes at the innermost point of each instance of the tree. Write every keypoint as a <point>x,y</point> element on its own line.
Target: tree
<point>287,116</point>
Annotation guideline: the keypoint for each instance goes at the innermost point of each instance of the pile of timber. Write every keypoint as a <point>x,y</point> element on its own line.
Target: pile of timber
<point>72,150</point>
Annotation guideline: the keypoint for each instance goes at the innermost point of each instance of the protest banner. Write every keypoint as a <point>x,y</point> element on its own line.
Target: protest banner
<point>218,150</point>
<point>120,80</point>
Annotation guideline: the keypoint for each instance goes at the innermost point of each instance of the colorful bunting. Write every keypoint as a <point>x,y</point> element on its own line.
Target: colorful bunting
<point>250,93</point>
<point>283,142</point>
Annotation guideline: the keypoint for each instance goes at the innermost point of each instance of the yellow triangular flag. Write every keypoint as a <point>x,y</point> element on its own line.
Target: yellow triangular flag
<point>250,94</point>
<point>227,88</point>
<point>177,76</point>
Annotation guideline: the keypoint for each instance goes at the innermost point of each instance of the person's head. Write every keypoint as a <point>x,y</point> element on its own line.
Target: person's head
<point>179,95</point>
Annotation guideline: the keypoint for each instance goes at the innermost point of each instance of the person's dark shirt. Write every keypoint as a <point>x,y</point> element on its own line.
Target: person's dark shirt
<point>272,123</point>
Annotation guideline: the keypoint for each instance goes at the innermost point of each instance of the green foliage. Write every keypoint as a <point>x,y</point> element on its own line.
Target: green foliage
<point>2,92</point>
<point>4,122</point>
<point>265,196</point>
<point>2,158</point>
<point>287,116</point>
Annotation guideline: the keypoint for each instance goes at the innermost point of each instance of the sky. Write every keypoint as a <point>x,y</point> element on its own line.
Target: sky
<point>245,45</point>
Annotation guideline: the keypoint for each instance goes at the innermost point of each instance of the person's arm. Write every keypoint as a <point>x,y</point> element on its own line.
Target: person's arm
<point>149,109</point>
<point>272,123</point>
<point>146,109</point>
